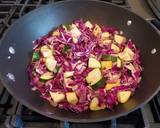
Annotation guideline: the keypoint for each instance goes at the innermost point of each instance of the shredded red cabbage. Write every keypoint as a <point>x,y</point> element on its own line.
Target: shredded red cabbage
<point>72,46</point>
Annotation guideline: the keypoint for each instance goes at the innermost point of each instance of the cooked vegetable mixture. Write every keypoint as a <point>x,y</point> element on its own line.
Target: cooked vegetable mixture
<point>85,66</point>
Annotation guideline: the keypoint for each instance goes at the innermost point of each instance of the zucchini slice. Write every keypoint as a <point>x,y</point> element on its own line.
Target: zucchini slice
<point>46,76</point>
<point>46,51</point>
<point>93,63</point>
<point>123,96</point>
<point>100,83</point>
<point>109,58</point>
<point>94,76</point>
<point>57,96</point>
<point>51,64</point>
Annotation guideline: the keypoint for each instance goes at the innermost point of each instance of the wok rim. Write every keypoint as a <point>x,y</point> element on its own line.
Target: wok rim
<point>23,102</point>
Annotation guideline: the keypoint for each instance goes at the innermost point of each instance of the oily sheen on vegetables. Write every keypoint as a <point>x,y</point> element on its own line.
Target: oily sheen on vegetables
<point>84,66</point>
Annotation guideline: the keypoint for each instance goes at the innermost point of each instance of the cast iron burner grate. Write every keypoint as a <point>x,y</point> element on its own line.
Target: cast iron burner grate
<point>13,114</point>
<point>7,105</point>
<point>10,10</point>
<point>27,118</point>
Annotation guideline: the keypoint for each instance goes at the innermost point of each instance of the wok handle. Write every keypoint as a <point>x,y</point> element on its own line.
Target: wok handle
<point>155,24</point>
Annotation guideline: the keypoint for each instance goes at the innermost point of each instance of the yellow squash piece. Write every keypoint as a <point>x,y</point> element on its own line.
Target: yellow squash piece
<point>93,63</point>
<point>56,33</point>
<point>119,39</point>
<point>106,64</point>
<point>94,76</point>
<point>65,28</point>
<point>67,81</point>
<point>109,86</point>
<point>75,32</point>
<point>46,76</point>
<point>74,39</point>
<point>51,64</point>
<point>57,96</point>
<point>105,35</point>
<point>68,74</point>
<point>130,67</point>
<point>94,105</point>
<point>129,51</point>
<point>88,24</point>
<point>72,98</point>
<point>46,51</point>
<point>97,30</point>
<point>123,96</point>
<point>119,63</point>
<point>127,54</point>
<point>106,42</point>
<point>115,48</point>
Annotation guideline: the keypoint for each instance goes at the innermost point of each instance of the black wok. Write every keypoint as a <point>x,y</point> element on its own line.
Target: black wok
<point>40,21</point>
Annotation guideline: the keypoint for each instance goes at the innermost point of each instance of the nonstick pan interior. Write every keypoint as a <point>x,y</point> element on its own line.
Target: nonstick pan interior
<point>40,21</point>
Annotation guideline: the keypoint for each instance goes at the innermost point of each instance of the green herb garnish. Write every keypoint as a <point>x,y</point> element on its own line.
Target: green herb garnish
<point>35,56</point>
<point>65,49</point>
